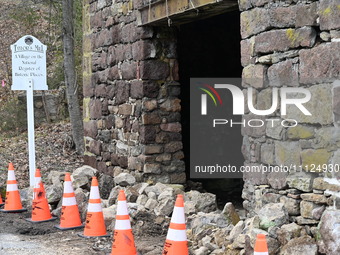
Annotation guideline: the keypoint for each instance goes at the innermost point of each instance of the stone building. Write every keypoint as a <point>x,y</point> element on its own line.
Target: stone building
<point>139,56</point>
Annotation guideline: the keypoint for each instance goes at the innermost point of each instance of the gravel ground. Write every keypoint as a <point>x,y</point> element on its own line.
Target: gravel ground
<point>17,236</point>
<point>53,152</point>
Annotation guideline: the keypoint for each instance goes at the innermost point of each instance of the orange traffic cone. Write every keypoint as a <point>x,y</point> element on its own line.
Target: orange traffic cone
<point>40,208</point>
<point>13,200</point>
<point>1,202</point>
<point>261,247</point>
<point>70,217</point>
<point>176,241</point>
<point>95,225</point>
<point>123,243</point>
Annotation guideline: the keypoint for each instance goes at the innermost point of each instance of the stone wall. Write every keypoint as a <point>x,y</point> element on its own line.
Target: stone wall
<point>292,43</point>
<point>131,95</point>
<point>132,108</point>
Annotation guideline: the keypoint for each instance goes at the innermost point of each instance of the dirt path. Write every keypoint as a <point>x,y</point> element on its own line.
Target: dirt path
<point>17,236</point>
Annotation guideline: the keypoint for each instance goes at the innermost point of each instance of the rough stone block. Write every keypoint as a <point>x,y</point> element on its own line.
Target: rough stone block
<point>171,127</point>
<point>300,132</point>
<point>336,103</point>
<point>282,17</point>
<point>285,39</point>
<point>151,118</point>
<point>173,146</point>
<point>153,149</point>
<point>125,109</point>
<point>253,131</point>
<point>287,153</point>
<point>254,76</point>
<point>301,245</point>
<point>150,105</point>
<point>288,232</point>
<point>321,113</point>
<point>100,90</point>
<point>152,168</point>
<point>122,92</point>
<point>178,178</point>
<point>320,64</point>
<point>267,153</point>
<point>307,208</point>
<point>95,147</point>
<point>165,137</point>
<point>277,180</point>
<point>292,205</point>
<point>90,161</point>
<point>329,12</point>
<point>275,130</point>
<point>171,105</point>
<point>327,137</point>
<point>147,134</point>
<point>321,184</point>
<point>88,87</point>
<point>264,99</point>
<point>90,128</point>
<point>136,89</point>
<point>259,3</point>
<point>256,177</point>
<point>163,158</point>
<point>302,181</point>
<point>142,50</point>
<point>249,26</point>
<point>315,157</point>
<point>113,73</point>
<point>247,51</point>
<point>129,70</point>
<point>285,73</point>
<point>154,70</point>
<point>244,4</point>
<point>306,15</point>
<point>316,198</point>
<point>95,109</point>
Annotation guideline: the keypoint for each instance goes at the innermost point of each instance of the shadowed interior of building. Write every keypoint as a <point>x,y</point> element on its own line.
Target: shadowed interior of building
<point>210,48</point>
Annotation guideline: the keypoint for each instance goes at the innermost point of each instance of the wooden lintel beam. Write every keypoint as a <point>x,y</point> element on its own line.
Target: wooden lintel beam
<point>159,12</point>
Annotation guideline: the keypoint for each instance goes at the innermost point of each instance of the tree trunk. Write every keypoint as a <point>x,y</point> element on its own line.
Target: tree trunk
<point>70,77</point>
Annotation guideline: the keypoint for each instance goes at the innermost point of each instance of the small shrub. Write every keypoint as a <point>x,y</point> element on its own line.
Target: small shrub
<point>13,117</point>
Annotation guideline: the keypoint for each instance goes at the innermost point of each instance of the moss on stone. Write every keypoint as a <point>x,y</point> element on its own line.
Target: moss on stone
<point>326,11</point>
<point>292,35</point>
<point>86,109</point>
<point>314,159</point>
<point>300,132</point>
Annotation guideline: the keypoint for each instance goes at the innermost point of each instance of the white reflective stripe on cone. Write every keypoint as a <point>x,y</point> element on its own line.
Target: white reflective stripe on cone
<point>11,175</point>
<point>122,208</point>
<point>94,207</point>
<point>68,187</point>
<point>12,187</point>
<point>260,253</point>
<point>122,225</point>
<point>176,235</point>
<point>94,193</point>
<point>37,180</point>
<point>68,201</point>
<point>178,215</point>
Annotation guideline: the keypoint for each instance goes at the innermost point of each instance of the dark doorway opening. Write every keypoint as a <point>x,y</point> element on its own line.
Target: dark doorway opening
<point>211,48</point>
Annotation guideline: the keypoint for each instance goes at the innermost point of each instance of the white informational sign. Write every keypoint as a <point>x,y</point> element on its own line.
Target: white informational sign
<point>29,73</point>
<point>29,61</point>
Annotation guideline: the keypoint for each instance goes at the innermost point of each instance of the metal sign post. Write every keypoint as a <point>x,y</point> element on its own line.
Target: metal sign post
<point>29,73</point>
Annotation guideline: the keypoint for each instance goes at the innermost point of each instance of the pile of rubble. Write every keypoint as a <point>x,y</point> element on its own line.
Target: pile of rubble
<point>209,230</point>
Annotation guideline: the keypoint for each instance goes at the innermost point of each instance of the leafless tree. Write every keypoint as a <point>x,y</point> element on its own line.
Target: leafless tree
<point>70,76</point>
